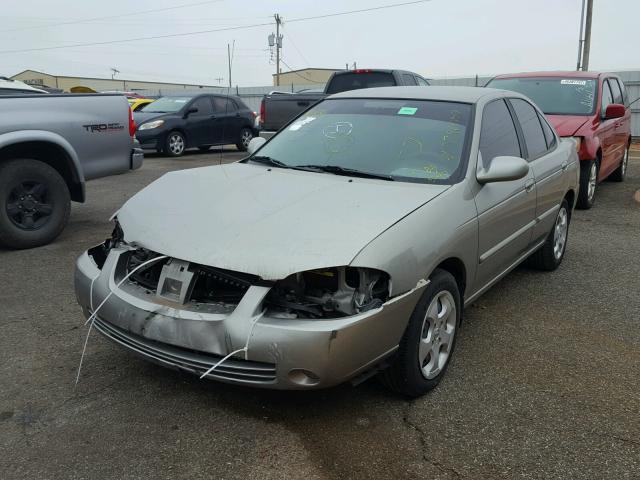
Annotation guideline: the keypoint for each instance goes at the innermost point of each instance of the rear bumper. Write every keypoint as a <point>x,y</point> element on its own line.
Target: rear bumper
<point>281,354</point>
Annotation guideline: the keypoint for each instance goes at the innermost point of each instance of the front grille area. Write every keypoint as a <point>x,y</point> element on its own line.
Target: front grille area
<point>210,286</point>
<point>233,369</point>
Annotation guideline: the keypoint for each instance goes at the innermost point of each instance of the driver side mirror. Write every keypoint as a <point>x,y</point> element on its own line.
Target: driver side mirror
<point>255,144</point>
<point>190,111</point>
<point>502,169</point>
<point>614,110</point>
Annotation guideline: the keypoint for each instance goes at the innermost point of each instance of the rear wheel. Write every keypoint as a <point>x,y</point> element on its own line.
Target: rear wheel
<point>34,203</point>
<point>429,340</point>
<point>175,144</point>
<point>550,255</point>
<point>588,183</point>
<point>246,134</point>
<point>621,172</point>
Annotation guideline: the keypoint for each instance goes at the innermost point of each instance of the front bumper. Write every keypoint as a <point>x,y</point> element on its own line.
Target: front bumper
<point>150,139</point>
<point>282,353</point>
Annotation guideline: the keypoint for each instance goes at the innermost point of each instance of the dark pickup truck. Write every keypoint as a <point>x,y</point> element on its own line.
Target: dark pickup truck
<point>277,109</point>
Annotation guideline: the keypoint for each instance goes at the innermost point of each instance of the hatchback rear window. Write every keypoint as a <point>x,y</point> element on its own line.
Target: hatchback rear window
<point>554,95</point>
<point>355,81</point>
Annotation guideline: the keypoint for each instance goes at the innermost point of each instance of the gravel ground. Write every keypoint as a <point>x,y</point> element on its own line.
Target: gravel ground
<point>544,383</point>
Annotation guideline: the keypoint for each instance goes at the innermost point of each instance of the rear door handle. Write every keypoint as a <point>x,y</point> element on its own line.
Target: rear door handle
<point>564,166</point>
<point>529,184</point>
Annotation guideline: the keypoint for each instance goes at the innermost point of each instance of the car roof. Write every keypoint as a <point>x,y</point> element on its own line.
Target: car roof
<point>559,73</point>
<point>452,94</point>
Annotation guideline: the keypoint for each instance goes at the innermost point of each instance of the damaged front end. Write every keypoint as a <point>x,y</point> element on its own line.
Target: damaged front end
<point>311,329</point>
<point>328,293</point>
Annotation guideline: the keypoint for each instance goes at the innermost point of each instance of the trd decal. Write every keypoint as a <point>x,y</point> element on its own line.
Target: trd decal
<point>103,127</point>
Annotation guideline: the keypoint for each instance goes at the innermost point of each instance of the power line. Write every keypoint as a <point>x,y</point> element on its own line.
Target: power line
<point>296,47</point>
<point>185,34</point>
<point>85,20</point>
<point>381,7</point>
<point>297,73</point>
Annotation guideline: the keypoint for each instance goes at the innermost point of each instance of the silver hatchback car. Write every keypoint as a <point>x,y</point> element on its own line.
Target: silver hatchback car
<point>347,245</point>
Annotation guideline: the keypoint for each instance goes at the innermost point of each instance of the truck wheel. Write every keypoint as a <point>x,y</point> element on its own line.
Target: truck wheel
<point>34,203</point>
<point>550,255</point>
<point>588,183</point>
<point>620,172</point>
<point>428,342</point>
<point>245,137</point>
<point>174,144</point>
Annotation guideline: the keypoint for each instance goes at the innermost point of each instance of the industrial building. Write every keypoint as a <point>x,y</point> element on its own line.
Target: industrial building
<point>66,83</point>
<point>305,76</point>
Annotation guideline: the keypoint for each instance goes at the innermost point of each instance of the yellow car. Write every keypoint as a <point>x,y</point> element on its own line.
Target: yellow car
<point>138,103</point>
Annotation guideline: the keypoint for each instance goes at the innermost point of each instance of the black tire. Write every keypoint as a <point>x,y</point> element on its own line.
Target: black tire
<point>204,148</point>
<point>620,173</point>
<point>246,134</point>
<point>405,374</point>
<point>550,255</point>
<point>175,144</point>
<point>587,196</point>
<point>34,203</point>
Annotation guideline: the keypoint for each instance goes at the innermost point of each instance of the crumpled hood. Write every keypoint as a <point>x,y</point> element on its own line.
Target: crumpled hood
<point>268,222</point>
<point>567,125</point>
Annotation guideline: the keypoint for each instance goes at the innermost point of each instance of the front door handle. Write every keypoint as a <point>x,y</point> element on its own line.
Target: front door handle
<point>564,166</point>
<point>529,184</point>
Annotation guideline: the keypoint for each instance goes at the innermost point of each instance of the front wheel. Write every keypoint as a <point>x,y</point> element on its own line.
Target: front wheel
<point>428,342</point>
<point>34,203</point>
<point>550,255</point>
<point>588,182</point>
<point>246,134</point>
<point>175,144</point>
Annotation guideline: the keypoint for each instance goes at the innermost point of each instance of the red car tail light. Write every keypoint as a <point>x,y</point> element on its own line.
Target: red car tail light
<point>263,112</point>
<point>132,123</point>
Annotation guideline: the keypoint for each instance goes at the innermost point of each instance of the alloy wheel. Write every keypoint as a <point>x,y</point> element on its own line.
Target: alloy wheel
<point>246,138</point>
<point>28,205</point>
<point>560,233</point>
<point>438,332</point>
<point>176,144</point>
<point>593,177</point>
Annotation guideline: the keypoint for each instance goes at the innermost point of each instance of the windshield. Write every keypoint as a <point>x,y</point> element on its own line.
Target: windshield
<point>408,140</point>
<point>167,105</point>
<point>554,95</point>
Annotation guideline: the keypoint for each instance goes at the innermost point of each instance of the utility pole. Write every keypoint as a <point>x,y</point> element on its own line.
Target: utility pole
<point>580,39</point>
<point>587,36</point>
<point>229,61</point>
<point>278,47</point>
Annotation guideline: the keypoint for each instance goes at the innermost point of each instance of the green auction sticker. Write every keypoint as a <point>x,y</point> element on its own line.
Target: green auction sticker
<point>407,111</point>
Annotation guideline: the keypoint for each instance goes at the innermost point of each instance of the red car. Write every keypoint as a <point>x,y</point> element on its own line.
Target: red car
<point>589,106</point>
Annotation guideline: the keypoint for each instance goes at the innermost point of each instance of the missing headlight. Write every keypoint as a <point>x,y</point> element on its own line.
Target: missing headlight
<point>99,253</point>
<point>328,293</point>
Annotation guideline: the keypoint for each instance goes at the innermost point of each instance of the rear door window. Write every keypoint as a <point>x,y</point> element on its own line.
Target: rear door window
<point>607,97</point>
<point>421,81</point>
<point>531,128</point>
<point>408,79</point>
<point>354,81</point>
<point>224,105</point>
<point>498,135</point>
<point>548,131</point>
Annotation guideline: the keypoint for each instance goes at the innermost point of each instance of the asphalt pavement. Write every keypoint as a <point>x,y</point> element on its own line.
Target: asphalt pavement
<point>544,382</point>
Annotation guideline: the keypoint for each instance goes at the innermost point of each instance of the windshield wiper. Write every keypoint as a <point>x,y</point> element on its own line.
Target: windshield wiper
<point>268,161</point>
<point>351,172</point>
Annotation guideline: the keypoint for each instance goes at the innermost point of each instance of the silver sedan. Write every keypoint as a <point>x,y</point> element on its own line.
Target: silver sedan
<point>345,246</point>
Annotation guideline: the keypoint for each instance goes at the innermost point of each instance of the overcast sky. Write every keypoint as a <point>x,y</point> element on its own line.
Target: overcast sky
<point>437,38</point>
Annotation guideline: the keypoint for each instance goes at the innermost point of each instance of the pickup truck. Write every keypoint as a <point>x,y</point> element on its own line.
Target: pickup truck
<point>49,146</point>
<point>277,109</point>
